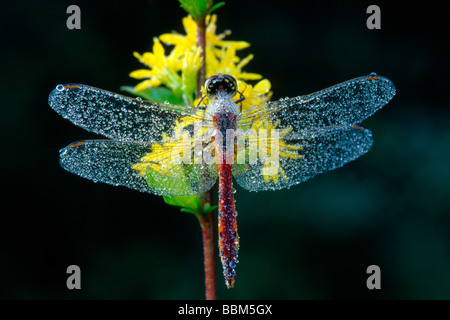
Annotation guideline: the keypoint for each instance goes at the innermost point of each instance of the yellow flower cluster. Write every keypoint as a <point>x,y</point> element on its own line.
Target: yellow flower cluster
<point>178,70</point>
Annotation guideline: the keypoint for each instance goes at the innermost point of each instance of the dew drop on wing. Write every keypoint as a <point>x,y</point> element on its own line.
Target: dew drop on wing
<point>59,87</point>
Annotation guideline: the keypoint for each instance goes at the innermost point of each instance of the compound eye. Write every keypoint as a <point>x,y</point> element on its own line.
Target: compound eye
<point>209,86</point>
<point>231,84</point>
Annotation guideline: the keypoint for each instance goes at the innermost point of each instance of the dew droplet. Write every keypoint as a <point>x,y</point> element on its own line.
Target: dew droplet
<point>60,87</point>
<point>373,74</point>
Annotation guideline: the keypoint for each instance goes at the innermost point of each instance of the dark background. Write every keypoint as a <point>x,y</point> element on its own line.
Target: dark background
<point>314,241</point>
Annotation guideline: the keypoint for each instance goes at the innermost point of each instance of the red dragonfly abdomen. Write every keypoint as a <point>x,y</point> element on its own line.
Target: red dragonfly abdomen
<point>228,237</point>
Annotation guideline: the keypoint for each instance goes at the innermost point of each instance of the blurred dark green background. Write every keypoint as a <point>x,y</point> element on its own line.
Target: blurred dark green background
<point>389,208</point>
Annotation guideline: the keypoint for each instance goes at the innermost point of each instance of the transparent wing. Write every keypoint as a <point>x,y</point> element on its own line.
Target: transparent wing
<point>115,116</point>
<point>111,162</point>
<point>318,151</point>
<point>344,104</point>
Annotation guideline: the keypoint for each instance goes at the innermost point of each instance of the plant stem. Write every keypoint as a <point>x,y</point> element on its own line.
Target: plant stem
<point>207,224</point>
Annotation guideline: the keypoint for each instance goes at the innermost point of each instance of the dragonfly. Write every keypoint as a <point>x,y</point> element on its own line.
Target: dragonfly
<point>172,150</point>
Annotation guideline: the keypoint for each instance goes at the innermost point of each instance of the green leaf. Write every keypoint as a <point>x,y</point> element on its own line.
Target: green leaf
<point>190,204</point>
<point>208,208</point>
<point>199,8</point>
<point>177,184</point>
<point>193,7</point>
<point>159,94</point>
<point>216,6</point>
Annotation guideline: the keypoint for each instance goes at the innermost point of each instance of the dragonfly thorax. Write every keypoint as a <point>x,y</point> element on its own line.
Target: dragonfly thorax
<point>222,104</point>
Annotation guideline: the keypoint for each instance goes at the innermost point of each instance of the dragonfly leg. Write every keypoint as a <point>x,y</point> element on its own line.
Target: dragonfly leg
<point>204,105</point>
<point>241,98</point>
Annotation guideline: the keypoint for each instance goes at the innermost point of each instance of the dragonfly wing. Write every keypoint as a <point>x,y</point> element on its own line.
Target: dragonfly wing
<point>113,115</point>
<point>111,162</point>
<point>319,151</point>
<point>347,103</point>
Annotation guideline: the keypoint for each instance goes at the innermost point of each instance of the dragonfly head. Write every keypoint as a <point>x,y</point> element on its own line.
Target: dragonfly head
<point>221,83</point>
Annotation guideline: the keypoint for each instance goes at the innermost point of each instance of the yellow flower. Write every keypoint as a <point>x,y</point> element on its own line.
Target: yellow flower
<point>225,61</point>
<point>163,70</point>
<point>254,95</point>
<point>191,65</point>
<point>188,42</point>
